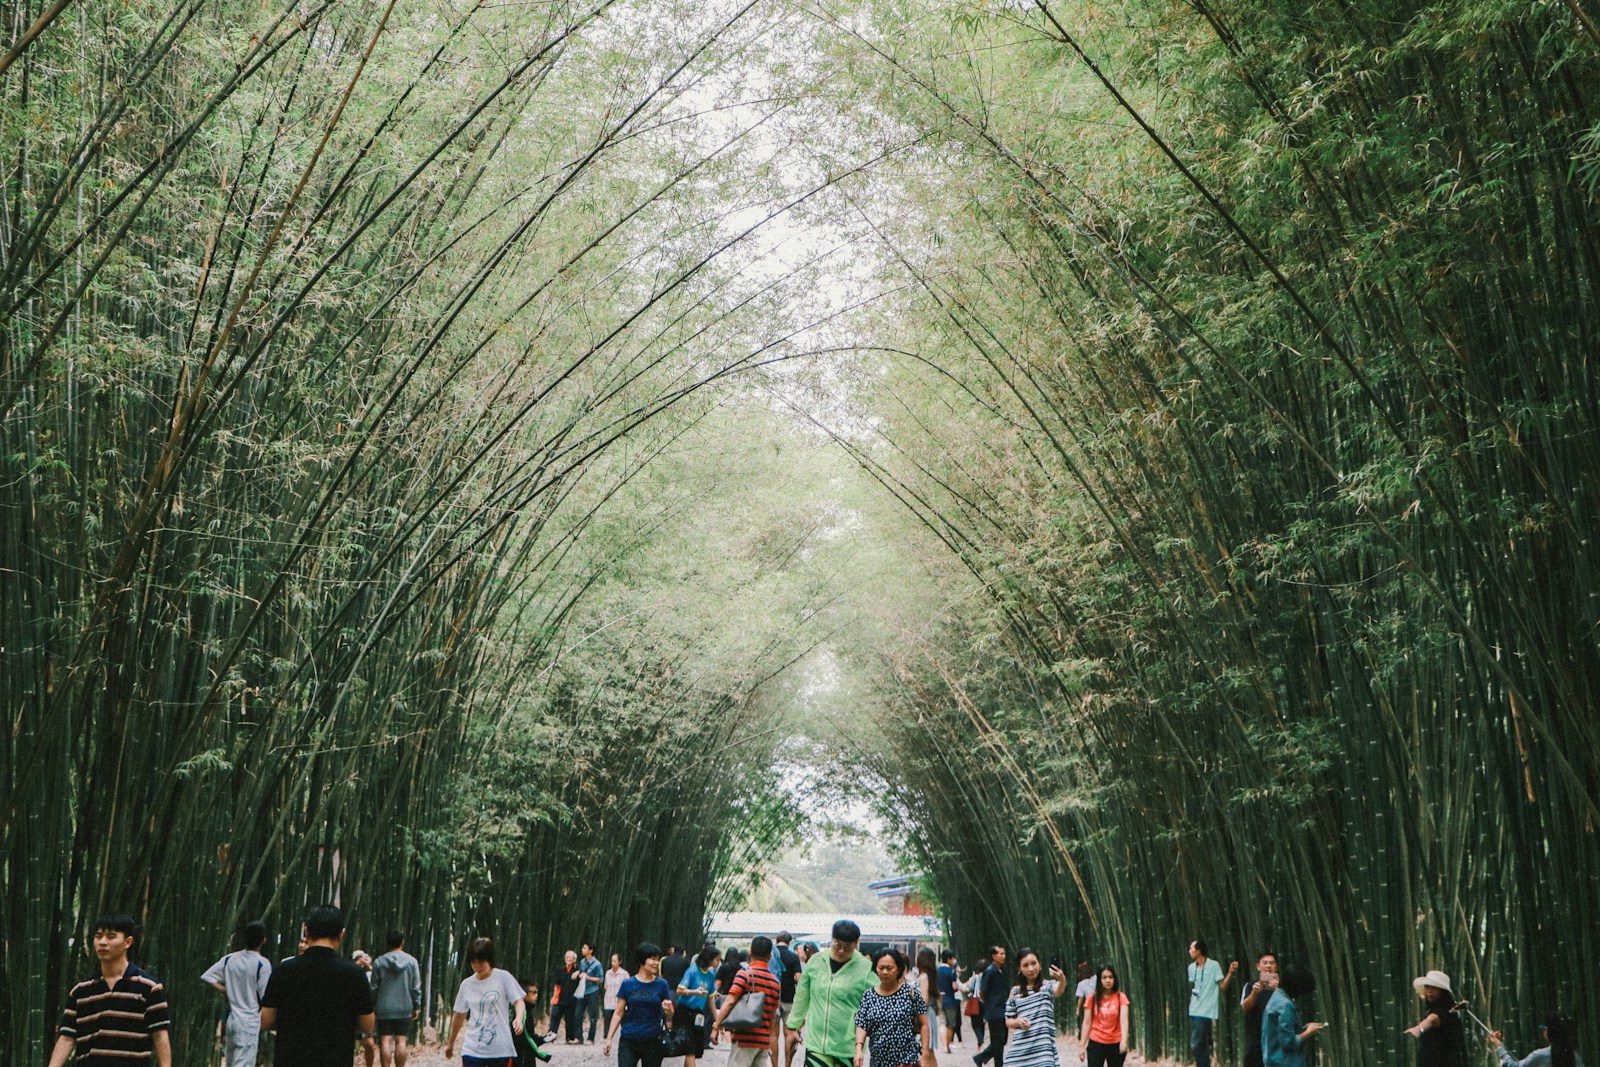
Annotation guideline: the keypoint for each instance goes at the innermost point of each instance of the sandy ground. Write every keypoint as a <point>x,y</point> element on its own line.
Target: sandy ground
<point>432,1055</point>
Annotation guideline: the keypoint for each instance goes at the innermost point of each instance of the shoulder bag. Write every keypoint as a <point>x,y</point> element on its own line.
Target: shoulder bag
<point>747,1013</point>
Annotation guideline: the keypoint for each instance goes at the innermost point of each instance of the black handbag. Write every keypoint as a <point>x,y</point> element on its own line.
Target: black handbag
<point>675,1042</point>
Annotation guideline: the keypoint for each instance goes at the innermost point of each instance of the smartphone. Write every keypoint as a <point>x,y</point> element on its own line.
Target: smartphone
<point>1055,961</point>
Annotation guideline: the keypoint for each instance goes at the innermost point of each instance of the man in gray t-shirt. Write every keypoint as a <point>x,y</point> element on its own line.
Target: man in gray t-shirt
<point>242,978</point>
<point>397,987</point>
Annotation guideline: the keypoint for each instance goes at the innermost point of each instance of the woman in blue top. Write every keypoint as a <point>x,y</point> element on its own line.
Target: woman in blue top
<point>1283,1037</point>
<point>1561,1031</point>
<point>644,1004</point>
<point>694,997</point>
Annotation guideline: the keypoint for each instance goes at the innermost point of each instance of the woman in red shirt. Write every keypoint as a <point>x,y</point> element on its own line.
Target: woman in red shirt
<point>1104,1038</point>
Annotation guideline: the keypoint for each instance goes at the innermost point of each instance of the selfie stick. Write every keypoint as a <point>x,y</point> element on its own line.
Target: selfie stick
<point>1461,1005</point>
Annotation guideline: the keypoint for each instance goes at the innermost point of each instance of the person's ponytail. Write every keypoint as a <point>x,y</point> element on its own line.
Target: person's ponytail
<point>1562,1032</point>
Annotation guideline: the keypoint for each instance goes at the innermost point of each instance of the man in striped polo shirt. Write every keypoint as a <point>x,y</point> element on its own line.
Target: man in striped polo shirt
<point>119,1017</point>
<point>759,1043</point>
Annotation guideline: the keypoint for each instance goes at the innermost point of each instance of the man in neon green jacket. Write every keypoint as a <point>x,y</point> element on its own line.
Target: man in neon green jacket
<point>826,998</point>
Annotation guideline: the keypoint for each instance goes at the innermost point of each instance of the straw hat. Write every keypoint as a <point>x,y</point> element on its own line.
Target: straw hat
<point>1437,979</point>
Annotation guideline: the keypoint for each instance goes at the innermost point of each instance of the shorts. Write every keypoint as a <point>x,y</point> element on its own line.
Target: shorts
<point>785,1009</point>
<point>952,1019</point>
<point>394,1028</point>
<point>748,1056</point>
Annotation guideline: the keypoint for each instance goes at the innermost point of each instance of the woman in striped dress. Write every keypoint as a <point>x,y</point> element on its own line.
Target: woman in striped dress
<point>1031,1013</point>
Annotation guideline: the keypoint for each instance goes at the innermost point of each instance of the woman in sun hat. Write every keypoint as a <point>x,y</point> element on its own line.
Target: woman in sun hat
<point>1441,1039</point>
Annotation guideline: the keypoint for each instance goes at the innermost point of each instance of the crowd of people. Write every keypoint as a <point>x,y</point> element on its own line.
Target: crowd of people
<point>843,1007</point>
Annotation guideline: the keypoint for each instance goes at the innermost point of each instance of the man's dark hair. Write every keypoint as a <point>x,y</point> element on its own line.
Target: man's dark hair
<point>845,930</point>
<point>1562,1033</point>
<point>1264,953</point>
<point>1200,947</point>
<point>645,950</point>
<point>117,923</point>
<point>482,948</point>
<point>761,947</point>
<point>585,945</point>
<point>254,934</point>
<point>784,937</point>
<point>324,922</point>
<point>946,956</point>
<point>672,950</point>
<point>1297,981</point>
<point>396,938</point>
<point>995,950</point>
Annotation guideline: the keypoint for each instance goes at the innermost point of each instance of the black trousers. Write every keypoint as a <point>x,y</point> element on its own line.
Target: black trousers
<point>634,1051</point>
<point>995,1050</point>
<point>1104,1055</point>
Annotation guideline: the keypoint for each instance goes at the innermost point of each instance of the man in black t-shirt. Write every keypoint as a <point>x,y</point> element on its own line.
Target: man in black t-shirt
<point>1253,1005</point>
<point>993,990</point>
<point>791,970</point>
<point>674,965</point>
<point>319,1003</point>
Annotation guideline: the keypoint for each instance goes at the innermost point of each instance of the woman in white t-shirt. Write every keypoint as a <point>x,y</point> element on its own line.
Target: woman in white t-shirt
<point>489,1008</point>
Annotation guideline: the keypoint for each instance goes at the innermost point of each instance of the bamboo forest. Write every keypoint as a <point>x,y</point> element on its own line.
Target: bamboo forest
<point>518,467</point>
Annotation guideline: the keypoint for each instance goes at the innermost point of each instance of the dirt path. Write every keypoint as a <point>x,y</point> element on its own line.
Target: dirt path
<point>589,1056</point>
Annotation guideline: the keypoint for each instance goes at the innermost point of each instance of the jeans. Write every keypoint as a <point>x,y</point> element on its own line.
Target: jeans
<point>1200,1040</point>
<point>632,1051</point>
<point>996,1048</point>
<point>1104,1055</point>
<point>590,1008</point>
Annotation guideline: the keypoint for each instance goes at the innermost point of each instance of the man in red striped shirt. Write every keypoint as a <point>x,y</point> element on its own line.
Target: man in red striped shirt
<point>754,977</point>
